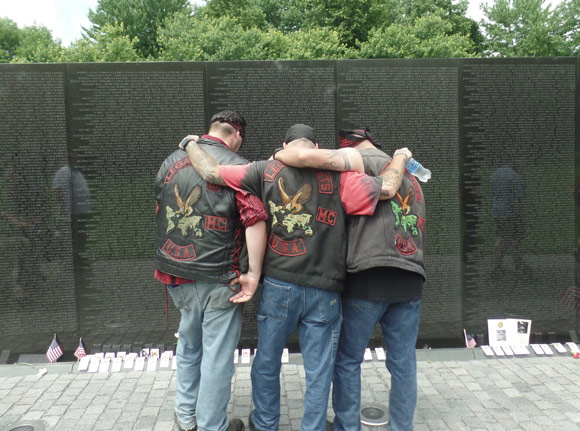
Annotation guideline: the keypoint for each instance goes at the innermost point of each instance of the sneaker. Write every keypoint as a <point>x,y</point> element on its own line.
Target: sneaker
<point>236,425</point>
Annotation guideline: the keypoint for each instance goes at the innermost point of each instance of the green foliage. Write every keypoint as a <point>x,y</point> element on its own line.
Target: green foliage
<point>141,19</point>
<point>110,44</point>
<point>246,13</point>
<point>36,45</point>
<point>9,39</point>
<point>524,28</point>
<point>184,38</point>
<point>568,14</point>
<point>428,37</point>
<point>316,43</point>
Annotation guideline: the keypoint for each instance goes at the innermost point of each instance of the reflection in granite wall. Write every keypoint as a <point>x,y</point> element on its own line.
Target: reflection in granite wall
<point>414,104</point>
<point>37,282</point>
<point>82,143</point>
<point>519,136</point>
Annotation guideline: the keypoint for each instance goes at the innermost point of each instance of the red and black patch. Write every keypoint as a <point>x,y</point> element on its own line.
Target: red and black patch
<point>272,171</point>
<point>175,168</point>
<point>326,216</point>
<point>286,248</point>
<point>421,223</point>
<point>178,252</point>
<point>406,247</point>
<point>215,223</point>
<point>415,183</point>
<point>213,187</point>
<point>325,185</point>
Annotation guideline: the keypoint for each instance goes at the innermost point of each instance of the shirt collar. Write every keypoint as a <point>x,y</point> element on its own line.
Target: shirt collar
<point>213,138</point>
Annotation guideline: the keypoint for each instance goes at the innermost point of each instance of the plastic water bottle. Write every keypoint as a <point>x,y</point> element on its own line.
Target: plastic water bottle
<point>417,169</point>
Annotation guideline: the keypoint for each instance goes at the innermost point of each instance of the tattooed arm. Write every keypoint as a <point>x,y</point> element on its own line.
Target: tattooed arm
<point>344,159</point>
<point>203,163</point>
<point>393,174</point>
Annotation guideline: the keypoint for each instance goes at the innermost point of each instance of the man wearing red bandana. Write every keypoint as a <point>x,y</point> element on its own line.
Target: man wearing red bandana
<point>386,272</point>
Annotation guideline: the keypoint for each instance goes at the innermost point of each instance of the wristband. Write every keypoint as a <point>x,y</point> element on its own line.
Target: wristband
<point>403,152</point>
<point>275,152</point>
<point>184,142</point>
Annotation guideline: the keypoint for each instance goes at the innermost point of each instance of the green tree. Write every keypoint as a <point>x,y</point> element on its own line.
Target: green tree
<point>428,37</point>
<point>9,39</point>
<point>523,28</point>
<point>317,44</point>
<point>110,44</point>
<point>448,10</point>
<point>141,19</point>
<point>568,14</point>
<point>246,13</point>
<point>36,45</point>
<point>184,38</point>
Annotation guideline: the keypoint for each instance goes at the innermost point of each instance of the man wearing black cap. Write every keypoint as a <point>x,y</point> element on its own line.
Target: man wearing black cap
<point>386,272</point>
<point>303,266</point>
<point>199,258</point>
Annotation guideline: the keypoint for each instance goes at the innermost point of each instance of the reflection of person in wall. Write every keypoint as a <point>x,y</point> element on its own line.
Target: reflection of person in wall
<point>23,221</point>
<point>507,210</point>
<point>73,200</point>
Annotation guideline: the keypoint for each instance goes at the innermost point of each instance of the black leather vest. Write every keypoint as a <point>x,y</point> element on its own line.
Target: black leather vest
<point>199,233</point>
<point>306,226</point>
<point>395,235</point>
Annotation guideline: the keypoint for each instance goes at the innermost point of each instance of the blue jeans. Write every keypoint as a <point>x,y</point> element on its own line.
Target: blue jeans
<point>209,332</point>
<point>400,324</point>
<point>316,313</point>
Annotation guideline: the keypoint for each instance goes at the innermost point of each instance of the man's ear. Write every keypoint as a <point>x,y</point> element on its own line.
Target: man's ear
<point>316,145</point>
<point>284,144</point>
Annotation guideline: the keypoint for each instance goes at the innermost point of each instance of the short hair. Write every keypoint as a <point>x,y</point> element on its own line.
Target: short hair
<point>231,117</point>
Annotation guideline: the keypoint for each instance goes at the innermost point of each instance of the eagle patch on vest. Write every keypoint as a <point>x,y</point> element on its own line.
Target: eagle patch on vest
<point>181,218</point>
<point>288,214</point>
<point>403,218</point>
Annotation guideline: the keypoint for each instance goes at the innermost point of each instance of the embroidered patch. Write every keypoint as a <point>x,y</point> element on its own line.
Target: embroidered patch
<point>178,252</point>
<point>401,211</point>
<point>216,223</point>
<point>175,168</point>
<point>405,246</point>
<point>181,218</point>
<point>324,180</point>
<point>326,216</point>
<point>286,248</point>
<point>272,171</point>
<point>288,213</point>
<point>213,187</point>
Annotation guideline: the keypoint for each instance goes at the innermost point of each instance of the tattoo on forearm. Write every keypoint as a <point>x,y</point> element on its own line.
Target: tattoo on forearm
<point>391,179</point>
<point>205,165</point>
<point>333,162</point>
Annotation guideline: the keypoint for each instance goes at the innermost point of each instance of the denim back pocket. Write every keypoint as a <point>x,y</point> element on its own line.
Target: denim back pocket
<point>329,305</point>
<point>274,299</point>
<point>178,297</point>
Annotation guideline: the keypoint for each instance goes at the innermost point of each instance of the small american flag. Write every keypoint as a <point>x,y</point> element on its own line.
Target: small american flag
<point>54,351</point>
<point>80,351</point>
<point>470,342</point>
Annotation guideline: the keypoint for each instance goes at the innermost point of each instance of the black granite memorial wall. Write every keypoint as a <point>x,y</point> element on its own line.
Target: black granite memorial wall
<point>82,143</point>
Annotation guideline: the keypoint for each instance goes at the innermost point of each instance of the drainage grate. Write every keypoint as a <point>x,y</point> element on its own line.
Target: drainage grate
<point>374,415</point>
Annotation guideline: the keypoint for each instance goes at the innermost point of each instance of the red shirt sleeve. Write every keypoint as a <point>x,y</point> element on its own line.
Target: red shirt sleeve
<point>233,176</point>
<point>251,209</point>
<point>359,193</point>
<point>250,206</point>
